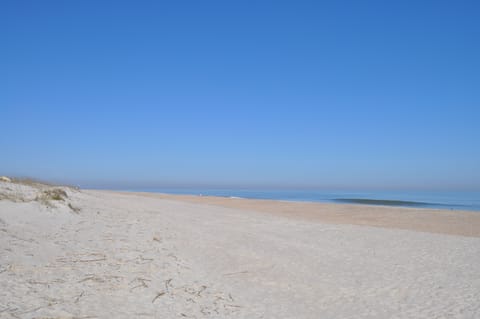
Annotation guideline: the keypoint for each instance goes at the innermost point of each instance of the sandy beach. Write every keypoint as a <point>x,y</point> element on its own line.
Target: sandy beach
<point>69,253</point>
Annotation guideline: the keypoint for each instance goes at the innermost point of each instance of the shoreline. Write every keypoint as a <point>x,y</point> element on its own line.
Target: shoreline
<point>361,201</point>
<point>430,220</point>
<point>432,199</point>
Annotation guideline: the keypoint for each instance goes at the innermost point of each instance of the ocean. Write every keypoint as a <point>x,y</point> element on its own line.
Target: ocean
<point>458,200</point>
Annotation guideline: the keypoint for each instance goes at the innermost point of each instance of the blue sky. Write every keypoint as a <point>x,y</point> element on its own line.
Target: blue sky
<point>357,94</point>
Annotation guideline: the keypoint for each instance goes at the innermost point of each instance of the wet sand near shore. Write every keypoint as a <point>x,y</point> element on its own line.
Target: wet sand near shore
<point>442,221</point>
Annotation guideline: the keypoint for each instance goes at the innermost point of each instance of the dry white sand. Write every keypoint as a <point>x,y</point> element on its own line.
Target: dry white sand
<point>137,256</point>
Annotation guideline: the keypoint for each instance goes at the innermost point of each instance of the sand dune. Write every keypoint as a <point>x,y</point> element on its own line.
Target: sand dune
<point>94,254</point>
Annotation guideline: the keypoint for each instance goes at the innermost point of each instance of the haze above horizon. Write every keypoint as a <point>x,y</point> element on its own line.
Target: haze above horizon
<point>347,94</point>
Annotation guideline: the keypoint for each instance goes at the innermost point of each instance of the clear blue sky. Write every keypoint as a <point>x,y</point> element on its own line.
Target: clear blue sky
<point>381,94</point>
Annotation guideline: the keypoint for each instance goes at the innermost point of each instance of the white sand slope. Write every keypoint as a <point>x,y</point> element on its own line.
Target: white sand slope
<point>131,256</point>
